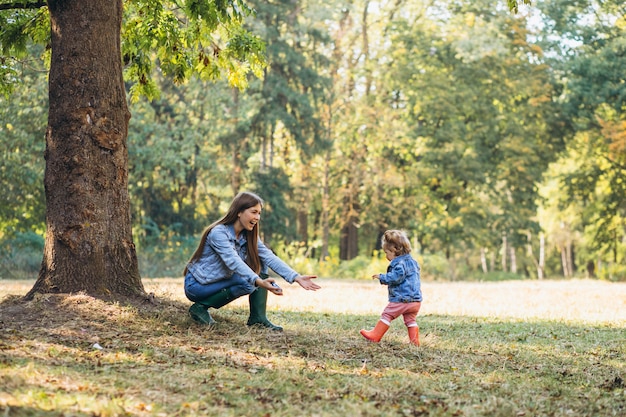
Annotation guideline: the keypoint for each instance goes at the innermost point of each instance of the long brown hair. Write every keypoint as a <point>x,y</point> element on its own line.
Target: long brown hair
<point>241,202</point>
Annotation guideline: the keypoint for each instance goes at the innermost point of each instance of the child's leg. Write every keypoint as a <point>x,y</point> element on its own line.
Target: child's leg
<point>409,315</point>
<point>376,333</point>
<point>392,311</point>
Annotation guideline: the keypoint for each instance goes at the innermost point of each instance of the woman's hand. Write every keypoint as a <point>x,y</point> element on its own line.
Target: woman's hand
<point>306,283</point>
<point>270,285</point>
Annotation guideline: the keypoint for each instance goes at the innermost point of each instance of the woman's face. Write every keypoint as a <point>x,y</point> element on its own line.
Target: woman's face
<point>249,218</point>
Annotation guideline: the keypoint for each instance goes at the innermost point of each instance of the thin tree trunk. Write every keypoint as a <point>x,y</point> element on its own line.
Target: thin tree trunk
<point>89,245</point>
<point>325,208</point>
<point>303,208</point>
<point>513,260</point>
<point>538,263</point>
<point>503,251</point>
<point>569,253</point>
<point>236,171</point>
<point>264,146</point>
<point>366,50</point>
<point>483,260</point>
<point>564,263</point>
<point>271,147</point>
<point>542,255</point>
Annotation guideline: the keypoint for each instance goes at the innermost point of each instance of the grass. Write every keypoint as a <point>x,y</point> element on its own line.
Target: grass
<point>525,348</point>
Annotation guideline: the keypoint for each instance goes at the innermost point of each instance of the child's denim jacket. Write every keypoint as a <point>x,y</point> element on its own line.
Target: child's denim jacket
<point>403,280</point>
<point>223,255</point>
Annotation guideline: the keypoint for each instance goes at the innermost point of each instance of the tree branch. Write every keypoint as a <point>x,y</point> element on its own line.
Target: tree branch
<point>23,5</point>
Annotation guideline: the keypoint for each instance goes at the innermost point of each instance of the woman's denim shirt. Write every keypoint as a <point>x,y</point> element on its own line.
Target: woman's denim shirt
<point>223,255</point>
<point>403,280</point>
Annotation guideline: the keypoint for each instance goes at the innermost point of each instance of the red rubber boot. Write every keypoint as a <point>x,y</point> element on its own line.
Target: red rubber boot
<point>376,333</point>
<point>414,335</point>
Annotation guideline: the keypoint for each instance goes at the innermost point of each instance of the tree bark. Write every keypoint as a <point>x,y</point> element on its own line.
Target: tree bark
<point>542,255</point>
<point>325,208</point>
<point>89,245</point>
<point>539,264</point>
<point>349,237</point>
<point>564,262</point>
<point>569,257</point>
<point>236,172</point>
<point>483,260</point>
<point>513,260</point>
<point>504,251</point>
<point>303,207</point>
<point>349,240</point>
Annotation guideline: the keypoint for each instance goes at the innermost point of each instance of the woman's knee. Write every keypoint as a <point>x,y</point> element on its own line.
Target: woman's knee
<point>240,290</point>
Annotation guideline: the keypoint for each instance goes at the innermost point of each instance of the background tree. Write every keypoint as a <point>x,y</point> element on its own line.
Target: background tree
<point>591,35</point>
<point>89,244</point>
<point>443,119</point>
<point>274,125</point>
<point>22,208</point>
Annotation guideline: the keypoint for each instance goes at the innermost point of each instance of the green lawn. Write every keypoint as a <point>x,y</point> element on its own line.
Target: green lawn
<point>155,361</point>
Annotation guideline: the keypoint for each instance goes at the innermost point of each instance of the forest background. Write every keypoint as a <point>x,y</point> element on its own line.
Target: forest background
<point>497,140</point>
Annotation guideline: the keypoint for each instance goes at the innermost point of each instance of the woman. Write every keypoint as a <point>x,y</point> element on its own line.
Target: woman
<point>231,261</point>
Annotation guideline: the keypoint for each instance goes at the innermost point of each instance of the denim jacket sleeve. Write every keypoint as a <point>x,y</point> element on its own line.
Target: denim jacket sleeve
<point>403,280</point>
<point>269,259</point>
<point>396,273</point>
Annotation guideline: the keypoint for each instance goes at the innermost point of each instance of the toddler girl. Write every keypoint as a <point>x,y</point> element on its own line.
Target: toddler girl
<point>403,283</point>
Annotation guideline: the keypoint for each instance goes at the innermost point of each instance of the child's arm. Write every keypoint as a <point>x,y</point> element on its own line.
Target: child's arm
<point>393,277</point>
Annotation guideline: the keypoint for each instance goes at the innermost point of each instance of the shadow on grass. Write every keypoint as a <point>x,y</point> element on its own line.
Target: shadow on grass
<point>37,412</point>
<point>80,348</point>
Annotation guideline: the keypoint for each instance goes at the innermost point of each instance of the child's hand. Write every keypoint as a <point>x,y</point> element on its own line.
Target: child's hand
<point>376,276</point>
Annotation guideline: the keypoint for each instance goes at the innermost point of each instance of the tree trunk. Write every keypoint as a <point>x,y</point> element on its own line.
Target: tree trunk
<point>591,269</point>
<point>325,208</point>
<point>89,245</point>
<point>303,205</point>
<point>378,244</point>
<point>539,265</point>
<point>513,260</point>
<point>564,262</point>
<point>236,172</point>
<point>349,240</point>
<point>483,260</point>
<point>569,253</point>
<point>542,255</point>
<point>503,251</point>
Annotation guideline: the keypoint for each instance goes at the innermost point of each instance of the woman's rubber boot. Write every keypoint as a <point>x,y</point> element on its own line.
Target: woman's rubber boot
<point>376,333</point>
<point>200,314</point>
<point>258,310</point>
<point>414,335</point>
<point>200,311</point>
